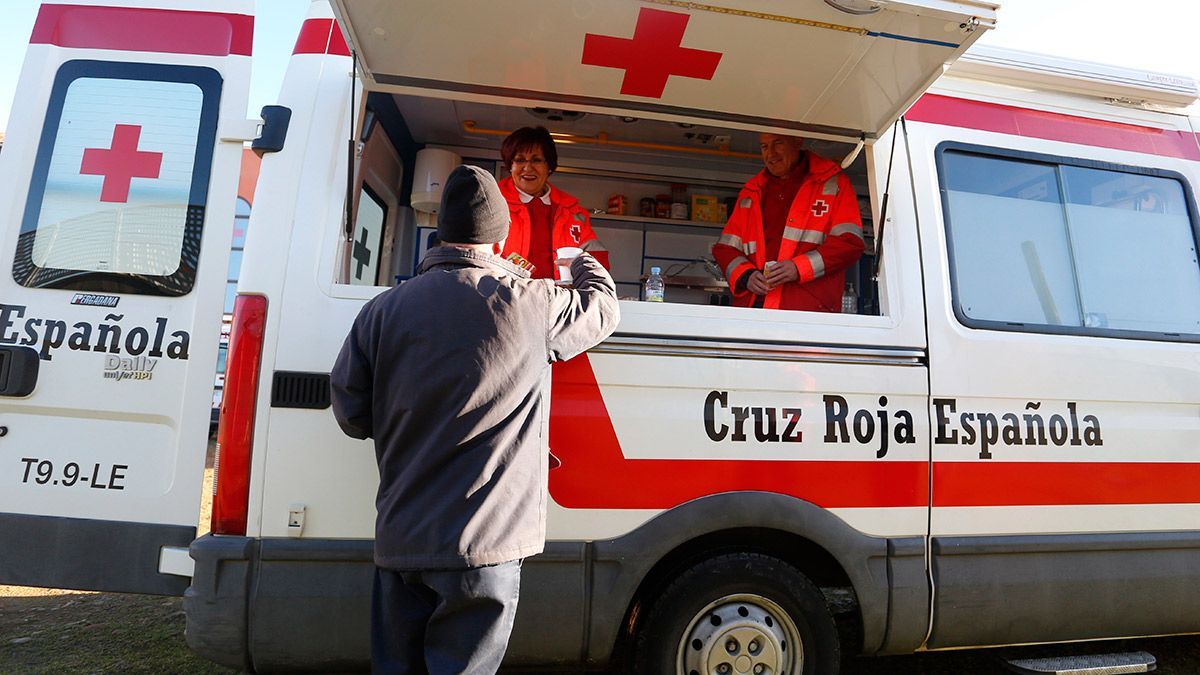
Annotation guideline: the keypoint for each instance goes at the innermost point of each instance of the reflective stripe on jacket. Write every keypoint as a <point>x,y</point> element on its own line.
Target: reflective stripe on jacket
<point>572,227</point>
<point>822,236</point>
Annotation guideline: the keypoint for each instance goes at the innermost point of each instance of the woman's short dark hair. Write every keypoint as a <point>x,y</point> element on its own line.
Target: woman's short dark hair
<point>525,138</point>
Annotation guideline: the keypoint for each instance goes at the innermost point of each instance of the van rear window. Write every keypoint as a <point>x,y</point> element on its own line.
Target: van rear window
<point>1077,247</point>
<point>117,197</point>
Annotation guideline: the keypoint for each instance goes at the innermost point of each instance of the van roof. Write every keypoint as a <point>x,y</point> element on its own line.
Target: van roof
<point>1052,73</point>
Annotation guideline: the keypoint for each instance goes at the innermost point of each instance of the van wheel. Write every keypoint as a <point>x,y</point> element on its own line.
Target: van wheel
<point>739,614</point>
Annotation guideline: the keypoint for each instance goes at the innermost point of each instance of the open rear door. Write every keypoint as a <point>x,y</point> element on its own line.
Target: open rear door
<point>800,65</point>
<point>117,194</point>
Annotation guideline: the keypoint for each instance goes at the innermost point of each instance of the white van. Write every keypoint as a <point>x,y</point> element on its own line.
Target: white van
<point>997,445</point>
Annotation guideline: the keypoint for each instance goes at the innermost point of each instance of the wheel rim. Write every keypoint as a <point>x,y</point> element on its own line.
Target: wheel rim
<point>742,634</point>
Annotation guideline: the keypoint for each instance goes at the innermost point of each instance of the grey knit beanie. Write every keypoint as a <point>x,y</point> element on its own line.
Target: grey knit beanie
<point>473,211</point>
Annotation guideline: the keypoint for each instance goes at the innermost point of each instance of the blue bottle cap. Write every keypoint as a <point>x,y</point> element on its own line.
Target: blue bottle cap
<point>655,270</point>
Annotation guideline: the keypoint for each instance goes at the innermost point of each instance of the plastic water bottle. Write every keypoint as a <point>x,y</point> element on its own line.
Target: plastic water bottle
<point>654,286</point>
<point>849,300</point>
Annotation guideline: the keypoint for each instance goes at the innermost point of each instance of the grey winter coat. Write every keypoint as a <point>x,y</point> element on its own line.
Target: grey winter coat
<point>449,373</point>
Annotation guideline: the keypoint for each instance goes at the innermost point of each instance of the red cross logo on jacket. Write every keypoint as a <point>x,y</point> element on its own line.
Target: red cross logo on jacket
<point>822,241</point>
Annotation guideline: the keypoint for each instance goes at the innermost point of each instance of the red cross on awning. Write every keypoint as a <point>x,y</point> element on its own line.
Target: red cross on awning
<point>121,163</point>
<point>652,55</point>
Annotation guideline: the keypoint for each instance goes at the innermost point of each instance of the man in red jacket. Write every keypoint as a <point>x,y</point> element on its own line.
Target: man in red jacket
<point>794,231</point>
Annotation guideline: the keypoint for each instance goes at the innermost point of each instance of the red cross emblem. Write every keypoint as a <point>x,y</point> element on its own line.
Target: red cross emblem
<point>652,55</point>
<point>819,208</point>
<point>121,163</point>
<point>576,232</point>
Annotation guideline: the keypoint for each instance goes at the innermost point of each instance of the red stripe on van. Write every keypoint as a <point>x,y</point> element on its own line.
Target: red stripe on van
<point>165,31</point>
<point>595,473</point>
<point>991,483</point>
<point>321,36</point>
<point>1005,119</point>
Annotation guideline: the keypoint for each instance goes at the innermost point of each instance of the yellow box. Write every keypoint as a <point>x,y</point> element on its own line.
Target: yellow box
<point>705,207</point>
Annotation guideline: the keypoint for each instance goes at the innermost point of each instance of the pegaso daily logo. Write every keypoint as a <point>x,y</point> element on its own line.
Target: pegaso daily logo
<point>129,368</point>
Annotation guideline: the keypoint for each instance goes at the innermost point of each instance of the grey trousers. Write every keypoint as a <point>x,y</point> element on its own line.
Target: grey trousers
<point>443,622</point>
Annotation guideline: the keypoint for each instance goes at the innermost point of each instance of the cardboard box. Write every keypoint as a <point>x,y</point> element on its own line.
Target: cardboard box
<point>705,207</point>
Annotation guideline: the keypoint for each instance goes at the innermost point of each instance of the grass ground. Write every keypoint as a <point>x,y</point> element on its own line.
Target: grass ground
<point>54,631</point>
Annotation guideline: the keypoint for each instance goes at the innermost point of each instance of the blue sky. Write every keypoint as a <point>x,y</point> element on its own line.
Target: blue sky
<point>276,24</point>
<point>1151,34</point>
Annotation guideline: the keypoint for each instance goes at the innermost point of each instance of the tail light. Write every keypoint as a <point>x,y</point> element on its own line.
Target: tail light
<point>235,433</point>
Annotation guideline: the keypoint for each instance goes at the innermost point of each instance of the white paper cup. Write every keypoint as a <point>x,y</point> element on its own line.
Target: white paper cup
<point>567,253</point>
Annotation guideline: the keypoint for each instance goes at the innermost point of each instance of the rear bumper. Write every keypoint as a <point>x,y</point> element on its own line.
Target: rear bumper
<point>263,605</point>
<point>215,603</point>
<point>94,555</point>
<point>270,604</point>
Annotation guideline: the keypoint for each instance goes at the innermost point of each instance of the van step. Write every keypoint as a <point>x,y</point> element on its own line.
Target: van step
<point>1089,664</point>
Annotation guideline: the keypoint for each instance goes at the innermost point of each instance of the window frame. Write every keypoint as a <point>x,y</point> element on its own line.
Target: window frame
<point>1056,161</point>
<point>183,279</point>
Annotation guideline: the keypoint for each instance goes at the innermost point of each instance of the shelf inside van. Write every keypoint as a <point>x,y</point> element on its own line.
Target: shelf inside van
<point>658,221</point>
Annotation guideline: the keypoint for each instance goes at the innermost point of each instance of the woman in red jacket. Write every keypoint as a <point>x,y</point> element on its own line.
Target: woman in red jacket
<point>544,218</point>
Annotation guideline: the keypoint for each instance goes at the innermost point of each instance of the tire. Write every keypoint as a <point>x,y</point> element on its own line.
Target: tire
<point>738,614</point>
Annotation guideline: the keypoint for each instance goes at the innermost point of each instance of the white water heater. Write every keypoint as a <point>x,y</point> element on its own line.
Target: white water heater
<point>433,167</point>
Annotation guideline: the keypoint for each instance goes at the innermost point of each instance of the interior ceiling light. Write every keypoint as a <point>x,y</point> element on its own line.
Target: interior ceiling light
<point>556,115</point>
<point>855,6</point>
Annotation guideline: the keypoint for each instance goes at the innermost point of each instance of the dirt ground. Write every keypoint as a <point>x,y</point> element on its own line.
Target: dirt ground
<point>55,631</point>
<point>59,631</point>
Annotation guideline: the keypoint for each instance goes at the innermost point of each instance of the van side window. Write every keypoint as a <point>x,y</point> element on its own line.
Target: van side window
<point>117,199</point>
<point>1051,245</point>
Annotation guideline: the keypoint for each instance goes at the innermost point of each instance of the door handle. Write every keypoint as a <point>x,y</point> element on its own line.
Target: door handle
<point>18,370</point>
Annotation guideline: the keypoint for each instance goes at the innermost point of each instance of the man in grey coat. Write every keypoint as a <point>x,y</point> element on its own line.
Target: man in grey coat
<point>449,373</point>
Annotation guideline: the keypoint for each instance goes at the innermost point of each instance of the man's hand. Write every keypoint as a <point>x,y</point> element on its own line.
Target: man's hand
<point>757,283</point>
<point>566,262</point>
<point>781,273</point>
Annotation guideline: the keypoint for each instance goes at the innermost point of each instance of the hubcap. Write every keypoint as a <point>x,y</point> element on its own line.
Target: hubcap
<point>743,634</point>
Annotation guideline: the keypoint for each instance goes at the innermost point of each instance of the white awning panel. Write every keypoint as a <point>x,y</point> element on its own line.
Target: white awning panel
<point>798,64</point>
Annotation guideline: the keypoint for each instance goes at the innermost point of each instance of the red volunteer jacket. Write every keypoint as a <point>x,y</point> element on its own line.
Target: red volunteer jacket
<point>572,227</point>
<point>822,236</point>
